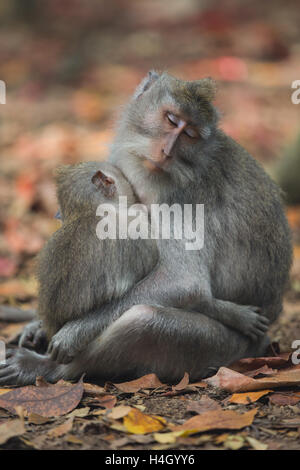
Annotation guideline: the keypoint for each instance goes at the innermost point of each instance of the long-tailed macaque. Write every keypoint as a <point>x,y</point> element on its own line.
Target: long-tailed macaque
<point>169,147</point>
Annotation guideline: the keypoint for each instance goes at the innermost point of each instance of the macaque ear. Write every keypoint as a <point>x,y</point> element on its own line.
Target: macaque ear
<point>100,180</point>
<point>207,87</point>
<point>146,83</point>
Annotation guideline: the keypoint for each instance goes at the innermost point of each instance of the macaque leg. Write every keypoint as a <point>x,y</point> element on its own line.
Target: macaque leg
<point>145,339</point>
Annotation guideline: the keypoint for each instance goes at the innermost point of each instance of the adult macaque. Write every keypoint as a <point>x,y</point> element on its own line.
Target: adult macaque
<point>170,149</point>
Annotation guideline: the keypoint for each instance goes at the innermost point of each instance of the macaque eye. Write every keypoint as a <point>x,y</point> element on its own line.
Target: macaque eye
<point>189,131</point>
<point>172,119</point>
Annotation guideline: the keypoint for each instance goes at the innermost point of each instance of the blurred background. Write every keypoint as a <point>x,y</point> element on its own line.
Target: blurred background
<point>70,65</point>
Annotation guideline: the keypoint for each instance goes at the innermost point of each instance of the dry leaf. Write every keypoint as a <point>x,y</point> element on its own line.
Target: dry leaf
<point>93,390</point>
<point>108,401</point>
<point>34,418</point>
<point>248,397</point>
<point>204,404</point>
<point>11,428</point>
<point>167,437</point>
<point>62,428</point>
<point>137,422</point>
<point>147,381</point>
<point>288,398</point>
<point>183,383</point>
<point>80,412</point>
<point>5,390</point>
<point>222,419</point>
<point>255,444</point>
<point>119,411</point>
<point>232,381</point>
<point>253,363</point>
<point>47,401</point>
<point>234,442</point>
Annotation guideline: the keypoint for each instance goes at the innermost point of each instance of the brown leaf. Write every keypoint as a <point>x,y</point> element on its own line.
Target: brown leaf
<point>108,401</point>
<point>93,390</point>
<point>62,428</point>
<point>288,398</point>
<point>119,411</point>
<point>218,419</point>
<point>11,428</point>
<point>253,363</point>
<point>203,405</point>
<point>183,383</point>
<point>232,381</point>
<point>47,401</point>
<point>248,397</point>
<point>264,370</point>
<point>147,381</point>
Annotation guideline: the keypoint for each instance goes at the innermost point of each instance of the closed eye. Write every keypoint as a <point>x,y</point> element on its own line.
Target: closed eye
<point>172,119</point>
<point>189,131</point>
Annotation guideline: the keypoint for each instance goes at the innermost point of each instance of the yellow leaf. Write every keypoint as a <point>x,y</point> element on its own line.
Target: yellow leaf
<point>137,422</point>
<point>5,390</point>
<point>167,437</point>
<point>255,444</point>
<point>248,397</point>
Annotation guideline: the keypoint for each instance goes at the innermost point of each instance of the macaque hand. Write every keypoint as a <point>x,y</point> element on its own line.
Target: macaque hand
<point>63,346</point>
<point>34,337</point>
<point>253,324</point>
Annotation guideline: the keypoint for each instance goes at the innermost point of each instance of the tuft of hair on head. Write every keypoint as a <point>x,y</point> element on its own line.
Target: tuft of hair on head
<point>146,83</point>
<point>205,88</point>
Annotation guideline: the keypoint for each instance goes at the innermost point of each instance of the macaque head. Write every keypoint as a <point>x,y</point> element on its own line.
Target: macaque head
<point>167,125</point>
<point>81,188</point>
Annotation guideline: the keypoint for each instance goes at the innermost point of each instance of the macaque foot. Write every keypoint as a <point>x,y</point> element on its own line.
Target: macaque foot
<point>22,366</point>
<point>253,323</point>
<point>34,337</point>
<point>66,344</point>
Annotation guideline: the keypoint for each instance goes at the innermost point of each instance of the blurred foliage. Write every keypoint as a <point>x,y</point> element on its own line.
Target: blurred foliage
<point>69,65</point>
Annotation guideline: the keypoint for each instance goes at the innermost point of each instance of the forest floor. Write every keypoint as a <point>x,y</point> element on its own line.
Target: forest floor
<point>67,77</point>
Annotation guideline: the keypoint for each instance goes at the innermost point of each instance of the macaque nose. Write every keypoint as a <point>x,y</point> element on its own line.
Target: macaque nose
<point>172,138</point>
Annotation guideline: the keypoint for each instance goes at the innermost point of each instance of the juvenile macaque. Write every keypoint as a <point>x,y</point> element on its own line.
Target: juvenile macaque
<point>170,149</point>
<point>77,271</point>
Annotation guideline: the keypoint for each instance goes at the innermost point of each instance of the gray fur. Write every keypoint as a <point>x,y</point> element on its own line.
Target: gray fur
<point>172,320</point>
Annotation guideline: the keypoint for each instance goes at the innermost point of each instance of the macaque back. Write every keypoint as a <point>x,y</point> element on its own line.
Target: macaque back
<point>77,271</point>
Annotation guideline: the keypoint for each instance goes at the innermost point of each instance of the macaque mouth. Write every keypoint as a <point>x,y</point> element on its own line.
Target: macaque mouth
<point>153,165</point>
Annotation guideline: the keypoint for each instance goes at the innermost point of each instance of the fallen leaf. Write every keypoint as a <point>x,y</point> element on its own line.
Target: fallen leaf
<point>108,401</point>
<point>219,419</point>
<point>204,404</point>
<point>232,381</point>
<point>234,442</point>
<point>289,398</point>
<point>198,385</point>
<point>74,440</point>
<point>137,422</point>
<point>11,428</point>
<point>5,390</point>
<point>119,411</point>
<point>47,401</point>
<point>80,412</point>
<point>183,383</point>
<point>248,397</point>
<point>62,428</point>
<point>167,437</point>
<point>264,370</point>
<point>253,363</point>
<point>34,418</point>
<point>93,390</point>
<point>147,381</point>
<point>255,444</point>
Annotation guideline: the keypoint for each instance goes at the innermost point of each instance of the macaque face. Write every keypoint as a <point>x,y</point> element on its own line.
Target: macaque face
<point>170,122</point>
